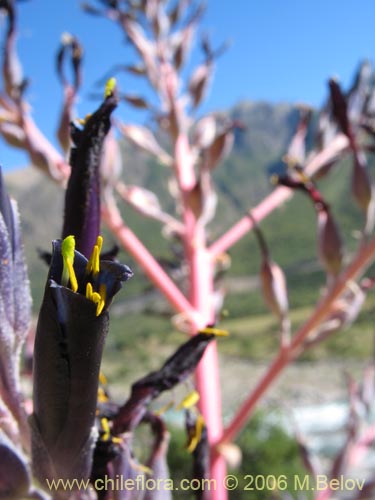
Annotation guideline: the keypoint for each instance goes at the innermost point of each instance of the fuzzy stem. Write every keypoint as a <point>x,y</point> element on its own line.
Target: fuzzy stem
<point>362,260</point>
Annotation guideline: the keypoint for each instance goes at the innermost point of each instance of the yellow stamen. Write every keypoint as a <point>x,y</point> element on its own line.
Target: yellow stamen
<point>196,437</point>
<point>144,469</point>
<point>103,379</point>
<point>105,427</point>
<point>190,400</point>
<point>100,307</point>
<point>102,396</point>
<point>110,87</point>
<point>93,265</point>
<point>214,331</point>
<point>96,297</point>
<point>274,179</point>
<point>67,252</point>
<point>116,440</point>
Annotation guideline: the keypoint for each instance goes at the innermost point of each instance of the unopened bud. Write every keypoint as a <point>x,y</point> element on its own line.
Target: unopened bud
<point>329,242</point>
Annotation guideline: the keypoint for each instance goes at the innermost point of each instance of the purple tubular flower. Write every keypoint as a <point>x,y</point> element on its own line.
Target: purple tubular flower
<point>68,348</point>
<point>174,371</point>
<point>82,199</point>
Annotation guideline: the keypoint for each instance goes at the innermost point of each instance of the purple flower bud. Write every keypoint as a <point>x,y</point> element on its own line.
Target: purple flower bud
<point>68,348</point>
<point>82,199</point>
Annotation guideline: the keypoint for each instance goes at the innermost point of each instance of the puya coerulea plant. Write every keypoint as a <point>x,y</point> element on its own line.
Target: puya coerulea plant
<point>95,441</point>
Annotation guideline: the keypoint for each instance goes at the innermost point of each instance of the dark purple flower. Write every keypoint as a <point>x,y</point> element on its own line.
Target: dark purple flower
<point>72,326</point>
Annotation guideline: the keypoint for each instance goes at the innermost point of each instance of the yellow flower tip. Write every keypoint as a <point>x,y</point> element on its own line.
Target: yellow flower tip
<point>102,396</point>
<point>196,436</point>
<point>110,87</point>
<point>192,444</point>
<point>99,242</point>
<point>105,428</point>
<point>72,275</point>
<point>96,298</point>
<point>67,252</point>
<point>67,247</point>
<point>103,295</point>
<point>89,291</point>
<point>214,331</point>
<point>102,378</point>
<point>93,264</point>
<point>83,121</point>
<point>190,400</point>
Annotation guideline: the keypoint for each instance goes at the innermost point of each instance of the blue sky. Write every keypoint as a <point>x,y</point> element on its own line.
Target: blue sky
<point>281,51</point>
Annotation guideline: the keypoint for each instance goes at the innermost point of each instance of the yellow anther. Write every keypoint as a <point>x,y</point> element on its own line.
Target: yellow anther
<point>83,121</point>
<point>95,260</point>
<point>102,396</point>
<point>163,409</point>
<point>196,437</point>
<point>190,400</point>
<point>103,379</point>
<point>110,87</point>
<point>67,252</point>
<point>89,291</point>
<point>116,440</point>
<point>96,298</point>
<point>100,307</point>
<point>99,242</point>
<point>93,265</point>
<point>214,331</point>
<point>105,428</point>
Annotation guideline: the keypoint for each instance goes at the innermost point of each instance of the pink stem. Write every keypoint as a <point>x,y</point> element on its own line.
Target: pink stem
<point>207,373</point>
<point>265,207</point>
<point>362,260</point>
<point>201,296</point>
<point>148,263</point>
<point>275,199</point>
